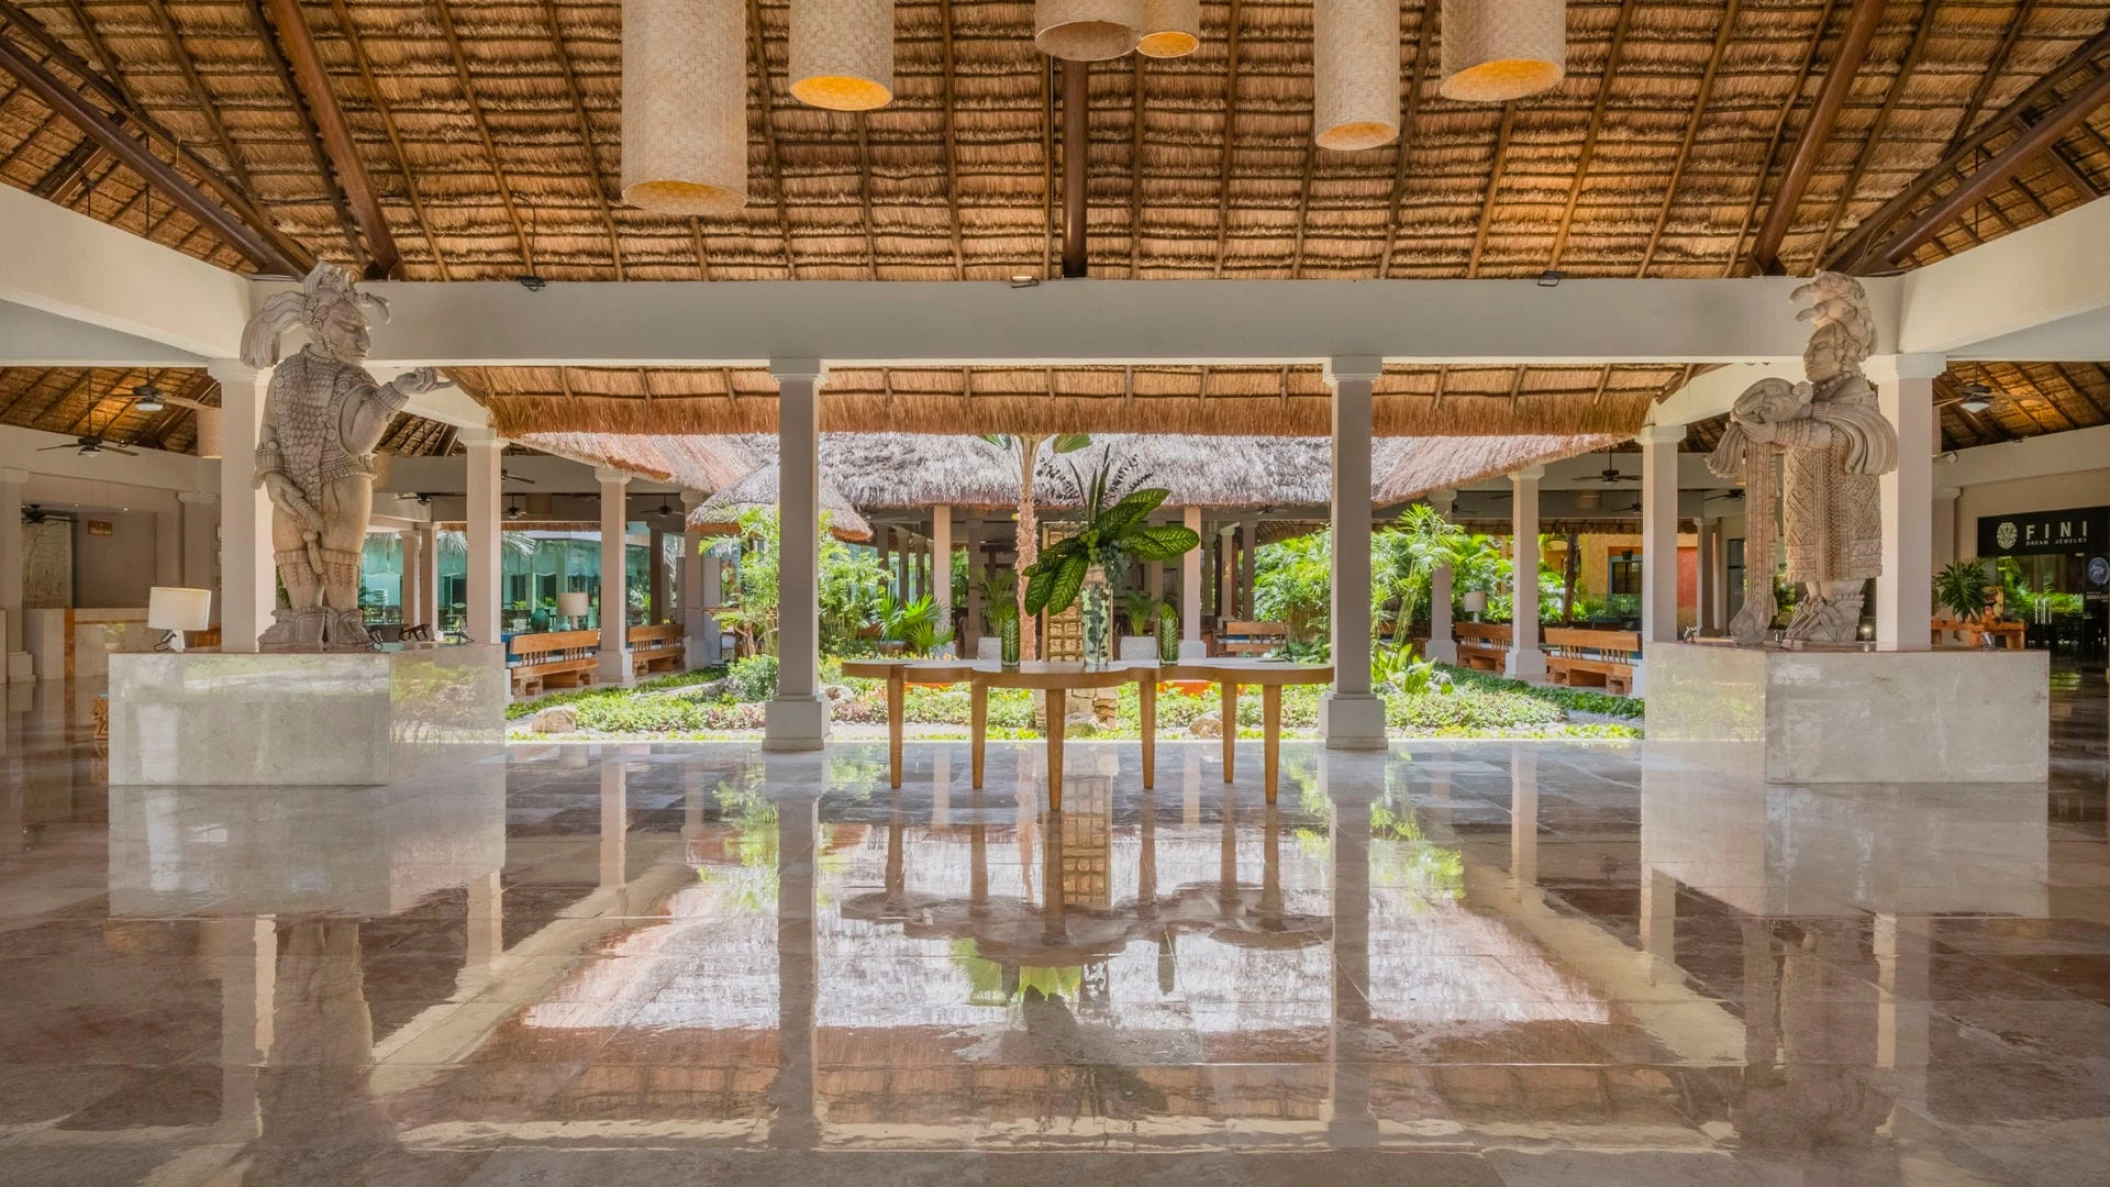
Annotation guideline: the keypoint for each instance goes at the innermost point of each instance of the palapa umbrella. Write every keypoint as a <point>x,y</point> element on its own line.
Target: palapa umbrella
<point>720,514</point>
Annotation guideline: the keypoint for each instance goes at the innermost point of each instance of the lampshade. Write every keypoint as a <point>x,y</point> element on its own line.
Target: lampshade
<point>175,608</point>
<point>1087,30</point>
<point>842,53</point>
<point>1498,50</point>
<point>1355,73</point>
<point>685,105</point>
<point>1474,600</point>
<point>572,603</point>
<point>207,421</point>
<point>1171,28</point>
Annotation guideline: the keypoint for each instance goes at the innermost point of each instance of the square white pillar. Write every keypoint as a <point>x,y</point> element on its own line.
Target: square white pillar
<point>697,595</point>
<point>201,542</point>
<point>429,578</point>
<point>1709,533</point>
<point>410,540</point>
<point>656,590</point>
<point>615,579</point>
<point>1442,646</point>
<point>1191,645</point>
<point>1526,661</point>
<point>1659,541</point>
<point>486,488</point>
<point>972,530</point>
<point>168,546</point>
<point>1945,526</point>
<point>1350,717</point>
<point>1904,593</point>
<point>941,567</point>
<point>247,593</point>
<point>797,719</point>
<point>11,482</point>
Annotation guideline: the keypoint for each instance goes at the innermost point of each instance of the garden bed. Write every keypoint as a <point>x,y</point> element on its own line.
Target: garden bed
<point>717,704</point>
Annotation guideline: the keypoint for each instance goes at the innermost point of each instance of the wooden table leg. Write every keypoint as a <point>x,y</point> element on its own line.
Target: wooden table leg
<point>1147,705</point>
<point>896,696</point>
<point>978,727</point>
<point>1271,736</point>
<point>1057,702</point>
<point>1230,728</point>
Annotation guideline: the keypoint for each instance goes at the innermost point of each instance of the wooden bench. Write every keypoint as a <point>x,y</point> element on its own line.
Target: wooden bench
<point>1482,645</point>
<point>555,659</point>
<point>1593,659</point>
<point>657,648</point>
<point>1250,638</point>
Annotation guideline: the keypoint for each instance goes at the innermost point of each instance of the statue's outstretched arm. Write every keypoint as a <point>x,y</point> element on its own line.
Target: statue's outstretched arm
<point>370,416</point>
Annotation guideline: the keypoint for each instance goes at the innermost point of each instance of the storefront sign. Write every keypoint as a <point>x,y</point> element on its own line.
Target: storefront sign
<point>2079,529</point>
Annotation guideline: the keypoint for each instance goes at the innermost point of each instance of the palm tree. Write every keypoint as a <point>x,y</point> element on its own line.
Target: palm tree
<point>1025,447</point>
<point>1421,542</point>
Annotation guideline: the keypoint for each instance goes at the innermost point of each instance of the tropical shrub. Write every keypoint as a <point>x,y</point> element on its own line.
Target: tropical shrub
<point>753,678</point>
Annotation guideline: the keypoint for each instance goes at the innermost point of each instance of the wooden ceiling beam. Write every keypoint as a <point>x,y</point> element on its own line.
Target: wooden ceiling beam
<point>1296,255</point>
<point>1995,67</point>
<point>1589,144</point>
<point>1223,179</point>
<point>87,417</point>
<point>1737,259</point>
<point>350,33</point>
<point>864,191</point>
<point>1861,23</point>
<point>263,250</point>
<point>1692,131</point>
<point>1853,250</point>
<point>1494,185</point>
<point>1408,119</point>
<point>283,34</point>
<point>577,98</point>
<point>952,144</point>
<point>8,411</point>
<point>1874,140</point>
<point>60,182</point>
<point>1076,167</point>
<point>58,401</point>
<point>1983,180</point>
<point>208,107</point>
<point>765,109</point>
<point>483,130</point>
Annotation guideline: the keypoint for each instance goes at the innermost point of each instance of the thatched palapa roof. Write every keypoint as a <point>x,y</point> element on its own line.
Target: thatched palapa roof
<point>720,514</point>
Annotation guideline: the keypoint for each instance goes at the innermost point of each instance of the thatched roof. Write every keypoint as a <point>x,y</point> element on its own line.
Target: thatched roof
<point>720,514</point>
<point>699,463</point>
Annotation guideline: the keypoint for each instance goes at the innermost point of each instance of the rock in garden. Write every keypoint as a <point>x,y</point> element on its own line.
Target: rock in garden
<point>1081,725</point>
<point>837,693</point>
<point>1208,725</point>
<point>558,719</point>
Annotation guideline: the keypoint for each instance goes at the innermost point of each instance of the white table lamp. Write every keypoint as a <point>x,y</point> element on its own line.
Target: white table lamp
<point>572,604</point>
<point>175,609</point>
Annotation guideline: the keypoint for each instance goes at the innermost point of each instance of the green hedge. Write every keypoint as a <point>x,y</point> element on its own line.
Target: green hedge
<point>1581,700</point>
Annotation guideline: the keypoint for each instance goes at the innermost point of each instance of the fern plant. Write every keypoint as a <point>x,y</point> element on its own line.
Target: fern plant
<point>1113,526</point>
<point>1960,589</point>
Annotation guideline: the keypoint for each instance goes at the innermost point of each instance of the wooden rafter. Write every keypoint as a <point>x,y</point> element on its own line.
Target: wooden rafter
<point>1135,163</point>
<point>1408,119</point>
<point>1589,144</point>
<point>290,50</point>
<point>1076,167</point>
<point>350,32</point>
<point>1861,23</point>
<point>67,393</point>
<point>765,110</point>
<point>43,377</point>
<point>1995,67</point>
<point>864,191</point>
<point>208,107</point>
<point>587,145</point>
<point>1494,186</point>
<point>952,147</point>
<point>483,130</point>
<point>1296,257</point>
<point>59,182</point>
<point>1780,128</point>
<point>1692,132</point>
<point>1874,141</point>
<point>1223,179</point>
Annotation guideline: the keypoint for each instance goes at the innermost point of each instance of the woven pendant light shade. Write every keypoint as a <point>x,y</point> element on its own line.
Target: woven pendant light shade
<point>1087,30</point>
<point>1355,73</point>
<point>842,53</point>
<point>1171,28</point>
<point>1498,50</point>
<point>685,106</point>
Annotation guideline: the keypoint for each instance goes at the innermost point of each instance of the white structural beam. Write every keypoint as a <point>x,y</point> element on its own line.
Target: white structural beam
<point>797,717</point>
<point>68,264</point>
<point>615,579</point>
<point>1904,596</point>
<point>247,592</point>
<point>31,337</point>
<point>1191,645</point>
<point>907,323</point>
<point>1964,306</point>
<point>1711,393</point>
<point>1659,539</point>
<point>1443,647</point>
<point>1351,717</point>
<point>1526,661</point>
<point>485,525</point>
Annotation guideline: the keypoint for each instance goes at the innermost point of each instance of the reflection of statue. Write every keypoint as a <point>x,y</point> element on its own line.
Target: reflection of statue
<point>322,419</point>
<point>1835,443</point>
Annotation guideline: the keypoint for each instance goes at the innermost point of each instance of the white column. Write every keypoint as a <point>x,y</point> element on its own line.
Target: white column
<point>656,587</point>
<point>1350,718</point>
<point>247,593</point>
<point>486,522</point>
<point>1703,619</point>
<point>697,628</point>
<point>168,546</point>
<point>201,542</point>
<point>1659,541</point>
<point>615,579</point>
<point>1526,661</point>
<point>1945,526</point>
<point>1442,646</point>
<point>798,718</point>
<point>941,568</point>
<point>409,539</point>
<point>973,628</point>
<point>248,956</point>
<point>1249,547</point>
<point>1191,645</point>
<point>1904,593</point>
<point>429,578</point>
<point>11,480</point>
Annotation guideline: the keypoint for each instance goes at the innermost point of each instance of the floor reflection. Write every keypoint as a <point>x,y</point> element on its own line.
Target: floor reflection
<point>1482,962</point>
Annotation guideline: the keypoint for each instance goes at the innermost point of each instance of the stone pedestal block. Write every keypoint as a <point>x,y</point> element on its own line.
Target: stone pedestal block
<point>197,719</point>
<point>1823,716</point>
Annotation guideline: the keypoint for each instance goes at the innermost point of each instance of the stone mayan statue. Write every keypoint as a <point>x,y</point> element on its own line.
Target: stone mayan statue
<point>1834,443</point>
<point>323,416</point>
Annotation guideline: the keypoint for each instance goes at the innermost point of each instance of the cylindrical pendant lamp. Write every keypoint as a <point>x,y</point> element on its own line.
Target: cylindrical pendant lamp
<point>1355,73</point>
<point>842,53</point>
<point>1087,30</point>
<point>1171,28</point>
<point>685,105</point>
<point>1498,50</point>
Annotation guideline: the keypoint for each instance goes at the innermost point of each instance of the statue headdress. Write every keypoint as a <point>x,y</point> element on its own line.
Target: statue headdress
<point>327,288</point>
<point>1845,327</point>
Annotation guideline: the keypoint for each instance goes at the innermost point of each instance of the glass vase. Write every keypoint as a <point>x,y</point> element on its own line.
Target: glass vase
<point>1007,642</point>
<point>1096,612</point>
<point>1168,636</point>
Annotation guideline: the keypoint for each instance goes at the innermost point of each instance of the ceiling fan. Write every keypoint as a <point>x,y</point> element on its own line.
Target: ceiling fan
<point>93,443</point>
<point>34,514</point>
<point>1974,399</point>
<point>1610,473</point>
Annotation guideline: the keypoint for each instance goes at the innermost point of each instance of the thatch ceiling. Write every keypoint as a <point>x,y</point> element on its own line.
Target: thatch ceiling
<point>492,134</point>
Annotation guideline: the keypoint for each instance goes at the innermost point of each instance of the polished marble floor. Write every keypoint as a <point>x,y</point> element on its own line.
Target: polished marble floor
<point>1472,963</point>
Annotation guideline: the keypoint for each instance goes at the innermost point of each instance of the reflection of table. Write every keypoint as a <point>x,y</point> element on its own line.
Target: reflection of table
<point>1054,680</point>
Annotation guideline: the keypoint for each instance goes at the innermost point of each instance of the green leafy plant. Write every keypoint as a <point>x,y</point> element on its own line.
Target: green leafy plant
<point>1404,560</point>
<point>1113,526</point>
<point>1025,450</point>
<point>999,596</point>
<point>753,679</point>
<point>1293,585</point>
<point>1960,589</point>
<point>1394,669</point>
<point>1139,609</point>
<point>916,624</point>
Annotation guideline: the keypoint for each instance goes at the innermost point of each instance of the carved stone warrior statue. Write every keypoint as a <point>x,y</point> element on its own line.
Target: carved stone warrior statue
<point>323,416</point>
<point>1834,444</point>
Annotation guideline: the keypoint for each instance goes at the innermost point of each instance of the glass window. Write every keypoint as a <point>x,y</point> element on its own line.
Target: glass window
<point>1623,572</point>
<point>1733,564</point>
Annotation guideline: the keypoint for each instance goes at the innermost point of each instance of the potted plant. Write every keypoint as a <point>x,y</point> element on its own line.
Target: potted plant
<point>1139,612</point>
<point>1000,608</point>
<point>1960,589</point>
<point>1111,526</point>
